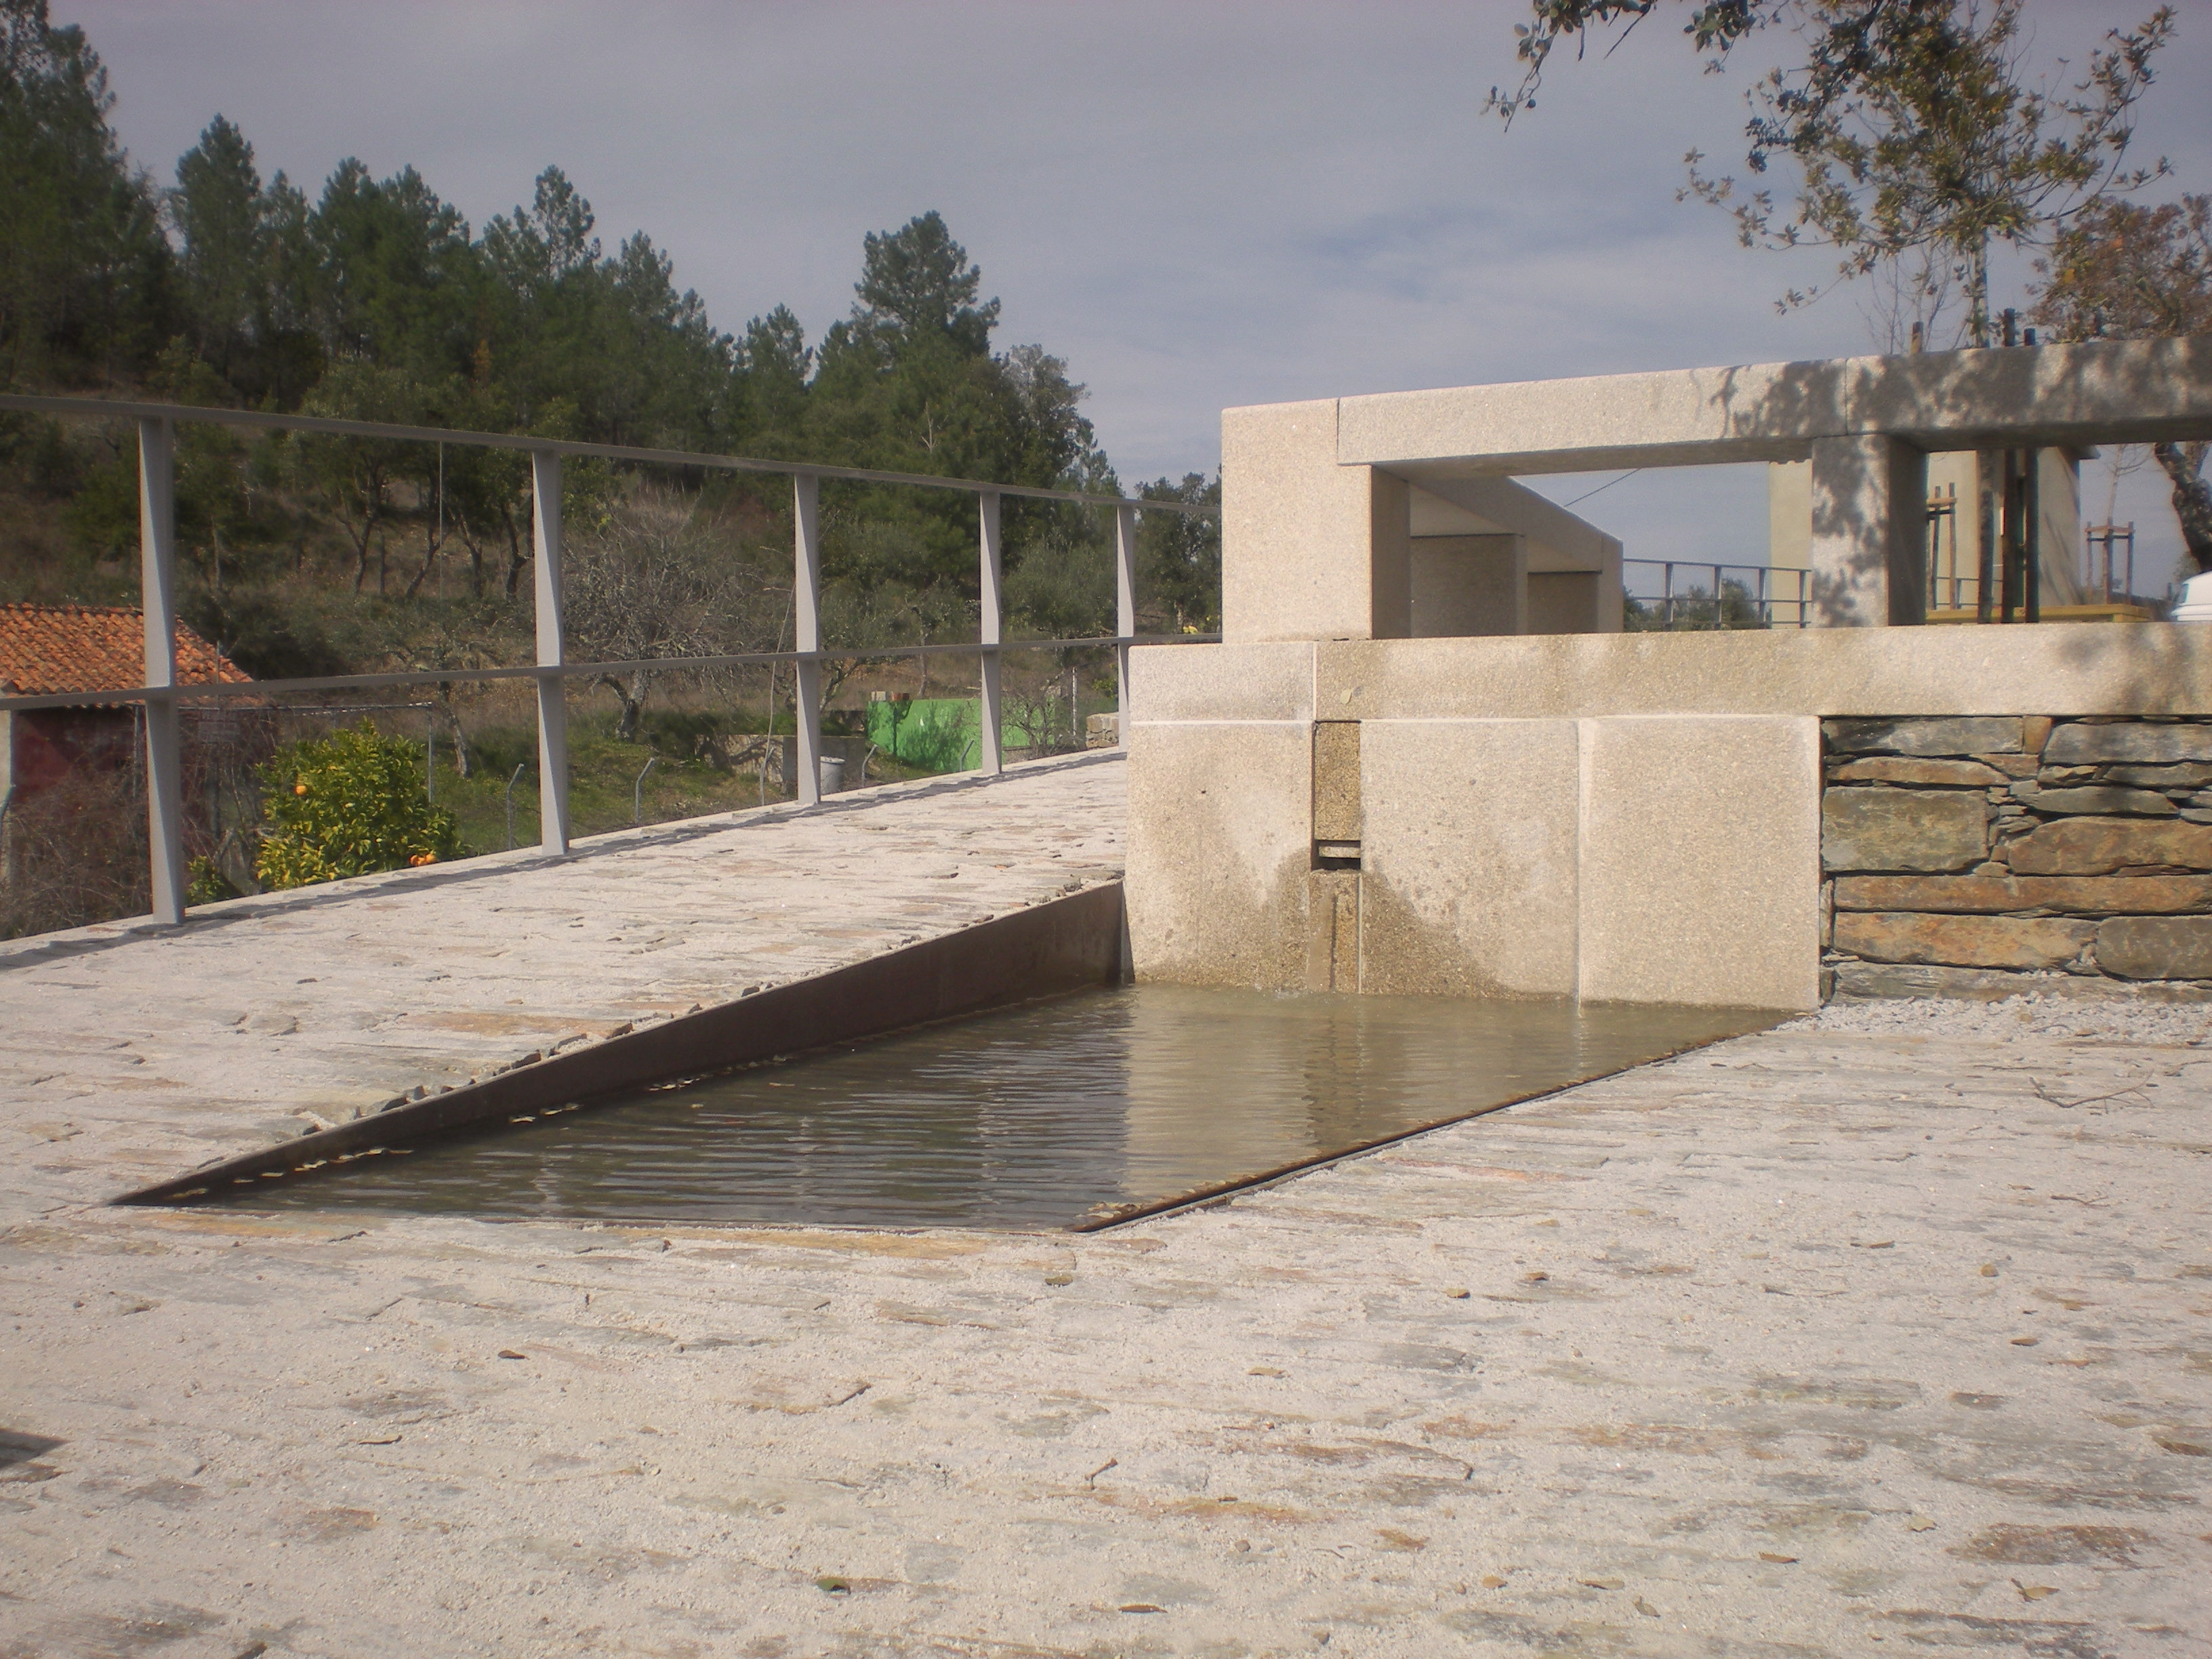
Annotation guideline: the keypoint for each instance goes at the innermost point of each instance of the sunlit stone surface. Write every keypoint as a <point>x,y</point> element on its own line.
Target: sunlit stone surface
<point>128,1056</point>
<point>1886,1333</point>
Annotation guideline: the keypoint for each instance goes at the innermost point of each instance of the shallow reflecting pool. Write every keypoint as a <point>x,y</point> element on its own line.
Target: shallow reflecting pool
<point>1057,1115</point>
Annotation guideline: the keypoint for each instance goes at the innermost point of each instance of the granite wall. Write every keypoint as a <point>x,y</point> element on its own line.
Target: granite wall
<point>1984,856</point>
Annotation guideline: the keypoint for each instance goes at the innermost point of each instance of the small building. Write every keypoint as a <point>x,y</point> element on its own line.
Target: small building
<point>72,789</point>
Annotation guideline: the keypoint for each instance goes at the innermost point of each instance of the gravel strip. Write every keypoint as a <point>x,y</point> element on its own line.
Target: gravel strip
<point>2161,1024</point>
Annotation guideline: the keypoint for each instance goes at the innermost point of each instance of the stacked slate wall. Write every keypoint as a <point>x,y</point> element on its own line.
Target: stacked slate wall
<point>1986,856</point>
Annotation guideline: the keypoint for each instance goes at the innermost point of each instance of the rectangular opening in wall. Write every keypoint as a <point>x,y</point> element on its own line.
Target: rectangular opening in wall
<point>1336,855</point>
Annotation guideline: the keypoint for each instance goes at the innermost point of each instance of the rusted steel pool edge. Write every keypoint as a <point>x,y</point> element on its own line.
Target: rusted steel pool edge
<point>1064,944</point>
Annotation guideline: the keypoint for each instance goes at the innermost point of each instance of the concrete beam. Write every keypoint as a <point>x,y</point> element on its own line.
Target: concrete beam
<point>2145,668</point>
<point>2099,391</point>
<point>1558,539</point>
<point>1322,550</point>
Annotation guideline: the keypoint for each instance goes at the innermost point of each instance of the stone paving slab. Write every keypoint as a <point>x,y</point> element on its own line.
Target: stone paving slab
<point>129,1054</point>
<point>1878,1337</point>
<point>1886,1331</point>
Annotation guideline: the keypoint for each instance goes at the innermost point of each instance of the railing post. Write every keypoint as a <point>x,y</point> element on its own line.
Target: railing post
<point>157,556</point>
<point>806,616</point>
<point>552,689</point>
<point>990,750</point>
<point>1125,614</point>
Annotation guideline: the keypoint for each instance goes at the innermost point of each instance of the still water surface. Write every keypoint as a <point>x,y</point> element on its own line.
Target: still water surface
<point>1046,1116</point>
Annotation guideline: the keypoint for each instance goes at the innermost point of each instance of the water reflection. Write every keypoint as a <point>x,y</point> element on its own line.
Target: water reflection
<point>1035,1117</point>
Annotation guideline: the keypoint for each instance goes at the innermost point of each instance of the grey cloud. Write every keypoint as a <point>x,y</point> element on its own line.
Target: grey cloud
<point>1198,205</point>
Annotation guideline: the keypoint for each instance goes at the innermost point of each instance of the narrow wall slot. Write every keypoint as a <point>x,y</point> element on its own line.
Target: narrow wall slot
<point>1336,855</point>
<point>1336,828</point>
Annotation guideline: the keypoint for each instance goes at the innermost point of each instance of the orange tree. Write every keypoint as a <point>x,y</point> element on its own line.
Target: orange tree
<point>348,805</point>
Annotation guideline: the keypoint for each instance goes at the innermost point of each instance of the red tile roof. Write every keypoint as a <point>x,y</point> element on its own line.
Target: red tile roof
<point>78,648</point>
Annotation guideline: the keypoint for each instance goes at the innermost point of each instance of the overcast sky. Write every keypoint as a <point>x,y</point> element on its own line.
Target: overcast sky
<point>1197,205</point>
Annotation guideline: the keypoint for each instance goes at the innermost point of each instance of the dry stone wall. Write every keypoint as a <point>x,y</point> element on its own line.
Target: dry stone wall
<point>1985,856</point>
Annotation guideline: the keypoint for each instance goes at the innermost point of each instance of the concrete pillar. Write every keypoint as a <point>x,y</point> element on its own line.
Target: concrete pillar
<point>552,689</point>
<point>990,750</point>
<point>1868,547</point>
<point>157,604</point>
<point>1310,549</point>
<point>1574,602</point>
<point>1467,585</point>
<point>806,630</point>
<point>1125,614</point>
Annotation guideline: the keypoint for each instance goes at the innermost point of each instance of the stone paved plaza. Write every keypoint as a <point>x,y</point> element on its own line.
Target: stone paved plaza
<point>1889,1331</point>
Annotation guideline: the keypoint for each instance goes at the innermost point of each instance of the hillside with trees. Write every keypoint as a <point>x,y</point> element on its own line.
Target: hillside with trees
<point>376,299</point>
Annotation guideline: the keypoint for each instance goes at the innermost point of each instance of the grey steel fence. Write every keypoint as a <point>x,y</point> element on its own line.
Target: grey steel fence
<point>1770,596</point>
<point>162,692</point>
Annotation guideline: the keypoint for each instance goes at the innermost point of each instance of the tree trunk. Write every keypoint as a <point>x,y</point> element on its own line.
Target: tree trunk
<point>2183,464</point>
<point>630,695</point>
<point>515,559</point>
<point>360,556</point>
<point>474,542</point>
<point>233,860</point>
<point>433,541</point>
<point>453,728</point>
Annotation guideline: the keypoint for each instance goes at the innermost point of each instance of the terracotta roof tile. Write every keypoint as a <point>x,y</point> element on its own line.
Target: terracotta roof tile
<point>77,648</point>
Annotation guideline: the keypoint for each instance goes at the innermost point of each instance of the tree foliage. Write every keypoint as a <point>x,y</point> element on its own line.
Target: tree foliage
<point>85,272</point>
<point>2126,272</point>
<point>373,298</point>
<point>349,804</point>
<point>1916,142</point>
<point>1919,145</point>
<point>1179,556</point>
<point>658,575</point>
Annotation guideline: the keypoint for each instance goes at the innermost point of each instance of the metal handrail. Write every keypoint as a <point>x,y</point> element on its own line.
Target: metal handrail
<point>119,409</point>
<point>162,692</point>
<point>248,690</point>
<point>1766,601</point>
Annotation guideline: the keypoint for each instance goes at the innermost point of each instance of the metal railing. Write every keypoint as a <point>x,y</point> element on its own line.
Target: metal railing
<point>2117,542</point>
<point>1771,588</point>
<point>162,692</point>
<point>1954,594</point>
